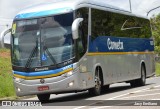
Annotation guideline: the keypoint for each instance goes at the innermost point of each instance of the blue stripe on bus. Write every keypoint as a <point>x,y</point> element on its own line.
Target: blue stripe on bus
<point>42,13</point>
<point>43,73</point>
<point>99,44</point>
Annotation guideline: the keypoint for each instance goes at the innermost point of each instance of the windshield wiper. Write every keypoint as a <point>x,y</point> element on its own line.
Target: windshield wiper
<point>50,55</point>
<point>28,63</point>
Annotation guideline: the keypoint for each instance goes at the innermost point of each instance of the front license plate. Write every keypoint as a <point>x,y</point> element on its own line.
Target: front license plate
<point>43,88</point>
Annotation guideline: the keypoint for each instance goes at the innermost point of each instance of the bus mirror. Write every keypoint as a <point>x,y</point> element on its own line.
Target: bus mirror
<point>75,26</point>
<point>2,35</point>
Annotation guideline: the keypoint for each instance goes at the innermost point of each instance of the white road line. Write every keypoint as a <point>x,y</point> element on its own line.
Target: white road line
<point>85,105</point>
<point>155,99</point>
<point>117,96</point>
<point>79,107</point>
<point>121,104</point>
<point>157,86</point>
<point>141,90</point>
<point>152,90</point>
<point>108,99</point>
<point>141,95</point>
<point>102,107</point>
<point>127,94</point>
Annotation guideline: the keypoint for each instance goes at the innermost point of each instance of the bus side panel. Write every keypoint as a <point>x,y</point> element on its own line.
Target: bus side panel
<point>120,62</point>
<point>116,68</point>
<point>150,65</point>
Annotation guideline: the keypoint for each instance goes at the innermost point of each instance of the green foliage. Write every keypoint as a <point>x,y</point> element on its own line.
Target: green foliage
<point>4,50</point>
<point>157,69</point>
<point>155,23</point>
<point>6,81</point>
<point>6,87</point>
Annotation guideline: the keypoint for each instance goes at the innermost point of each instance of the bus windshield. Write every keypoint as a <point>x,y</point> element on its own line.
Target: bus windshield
<point>43,41</point>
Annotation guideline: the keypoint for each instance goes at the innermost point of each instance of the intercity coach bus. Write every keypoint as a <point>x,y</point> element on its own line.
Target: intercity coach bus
<point>77,45</point>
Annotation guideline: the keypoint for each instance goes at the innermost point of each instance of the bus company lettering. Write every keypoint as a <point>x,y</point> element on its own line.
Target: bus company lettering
<point>41,69</point>
<point>112,45</point>
<point>67,67</point>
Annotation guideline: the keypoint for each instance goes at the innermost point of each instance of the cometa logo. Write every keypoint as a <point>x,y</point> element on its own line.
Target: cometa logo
<point>67,67</point>
<point>112,45</point>
<point>41,69</point>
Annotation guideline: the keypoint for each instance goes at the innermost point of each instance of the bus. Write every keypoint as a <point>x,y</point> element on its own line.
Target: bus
<point>78,45</point>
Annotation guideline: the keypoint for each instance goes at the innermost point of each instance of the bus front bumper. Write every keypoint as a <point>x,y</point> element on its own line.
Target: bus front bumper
<point>34,87</point>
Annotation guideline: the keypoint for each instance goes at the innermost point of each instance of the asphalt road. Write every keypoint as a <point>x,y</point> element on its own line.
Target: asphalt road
<point>119,96</point>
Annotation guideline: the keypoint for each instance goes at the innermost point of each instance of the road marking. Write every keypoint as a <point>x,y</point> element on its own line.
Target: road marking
<point>155,99</point>
<point>80,107</point>
<point>108,99</point>
<point>141,95</point>
<point>128,102</point>
<point>85,105</point>
<point>117,96</point>
<point>127,94</point>
<point>121,104</point>
<point>101,107</point>
<point>157,86</point>
<point>152,90</point>
<point>141,90</point>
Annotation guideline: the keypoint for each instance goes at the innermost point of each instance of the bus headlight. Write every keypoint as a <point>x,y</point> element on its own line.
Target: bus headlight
<point>71,84</point>
<point>17,79</point>
<point>68,73</point>
<point>18,89</point>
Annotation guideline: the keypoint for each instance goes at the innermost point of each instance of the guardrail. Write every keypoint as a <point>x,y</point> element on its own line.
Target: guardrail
<point>2,35</point>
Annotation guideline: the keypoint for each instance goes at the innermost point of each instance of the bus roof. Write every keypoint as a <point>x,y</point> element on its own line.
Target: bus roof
<point>64,6</point>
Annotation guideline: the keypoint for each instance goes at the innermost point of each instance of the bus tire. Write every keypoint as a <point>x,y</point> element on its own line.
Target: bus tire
<point>133,83</point>
<point>43,97</point>
<point>142,80</point>
<point>105,88</point>
<point>96,90</point>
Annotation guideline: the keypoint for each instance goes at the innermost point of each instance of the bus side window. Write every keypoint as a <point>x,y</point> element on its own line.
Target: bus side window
<point>83,30</point>
<point>81,47</point>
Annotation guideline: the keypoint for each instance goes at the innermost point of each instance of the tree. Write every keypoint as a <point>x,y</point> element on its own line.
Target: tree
<point>155,23</point>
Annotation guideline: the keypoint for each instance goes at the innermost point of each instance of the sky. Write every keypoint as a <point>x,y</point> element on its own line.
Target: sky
<point>138,6</point>
<point>9,8</point>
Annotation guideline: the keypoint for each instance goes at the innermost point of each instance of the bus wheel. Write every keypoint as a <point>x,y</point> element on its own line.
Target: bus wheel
<point>43,97</point>
<point>98,83</point>
<point>142,80</point>
<point>105,88</point>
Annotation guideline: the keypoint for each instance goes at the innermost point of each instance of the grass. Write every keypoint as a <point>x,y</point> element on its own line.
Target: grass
<point>157,69</point>
<point>6,81</point>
